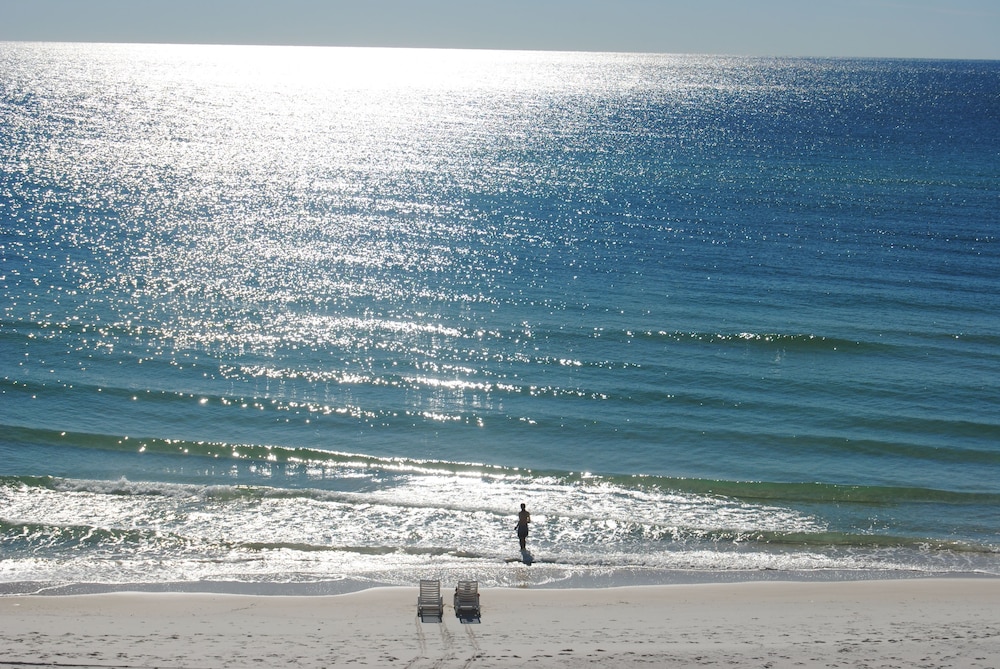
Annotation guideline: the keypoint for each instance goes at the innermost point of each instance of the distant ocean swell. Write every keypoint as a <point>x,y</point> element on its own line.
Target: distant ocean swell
<point>259,392</point>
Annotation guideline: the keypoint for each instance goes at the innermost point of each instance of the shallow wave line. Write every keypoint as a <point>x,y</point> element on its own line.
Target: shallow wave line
<point>382,324</point>
<point>450,383</point>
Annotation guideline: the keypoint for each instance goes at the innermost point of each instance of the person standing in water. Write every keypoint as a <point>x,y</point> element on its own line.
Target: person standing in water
<point>523,518</point>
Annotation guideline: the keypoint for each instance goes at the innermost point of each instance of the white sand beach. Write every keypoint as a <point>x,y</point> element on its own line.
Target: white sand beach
<point>898,623</point>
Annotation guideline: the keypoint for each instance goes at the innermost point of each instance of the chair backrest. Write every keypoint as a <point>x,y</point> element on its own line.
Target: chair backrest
<point>468,588</point>
<point>430,590</point>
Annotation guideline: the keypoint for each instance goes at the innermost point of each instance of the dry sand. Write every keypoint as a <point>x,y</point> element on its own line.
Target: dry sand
<point>900,623</point>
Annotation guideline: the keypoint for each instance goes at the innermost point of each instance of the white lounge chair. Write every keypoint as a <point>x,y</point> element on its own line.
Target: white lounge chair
<point>467,599</point>
<point>429,601</point>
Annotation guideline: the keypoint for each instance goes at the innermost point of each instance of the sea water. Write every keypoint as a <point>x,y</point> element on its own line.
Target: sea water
<point>301,319</point>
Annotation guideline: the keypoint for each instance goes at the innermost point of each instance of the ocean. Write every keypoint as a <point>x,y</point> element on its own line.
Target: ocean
<point>310,320</point>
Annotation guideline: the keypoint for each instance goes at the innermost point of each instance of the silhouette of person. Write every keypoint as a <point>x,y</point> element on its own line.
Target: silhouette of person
<point>523,518</point>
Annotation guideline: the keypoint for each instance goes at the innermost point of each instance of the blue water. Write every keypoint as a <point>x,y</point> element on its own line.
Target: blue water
<point>299,318</point>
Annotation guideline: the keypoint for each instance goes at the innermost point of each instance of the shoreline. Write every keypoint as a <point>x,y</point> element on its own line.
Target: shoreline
<point>927,622</point>
<point>619,578</point>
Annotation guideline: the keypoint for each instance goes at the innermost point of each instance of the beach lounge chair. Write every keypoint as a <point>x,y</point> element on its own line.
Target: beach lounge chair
<point>467,599</point>
<point>429,601</point>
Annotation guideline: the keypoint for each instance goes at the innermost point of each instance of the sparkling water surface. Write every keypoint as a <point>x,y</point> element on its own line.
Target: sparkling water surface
<point>309,315</point>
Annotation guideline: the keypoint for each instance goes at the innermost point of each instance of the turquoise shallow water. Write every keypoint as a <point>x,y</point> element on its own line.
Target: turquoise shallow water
<point>302,317</point>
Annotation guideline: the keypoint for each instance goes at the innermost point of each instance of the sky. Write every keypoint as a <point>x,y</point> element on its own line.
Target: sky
<point>837,28</point>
